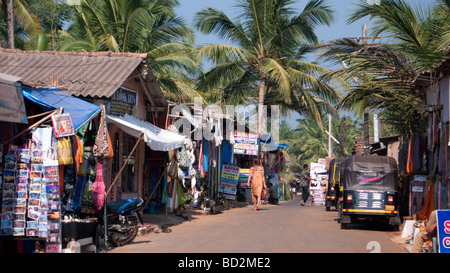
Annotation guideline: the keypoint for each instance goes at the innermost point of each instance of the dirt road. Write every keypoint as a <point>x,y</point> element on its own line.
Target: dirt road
<point>284,228</point>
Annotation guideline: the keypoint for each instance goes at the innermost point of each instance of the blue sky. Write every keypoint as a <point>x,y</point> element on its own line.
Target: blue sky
<point>338,29</point>
<point>188,8</point>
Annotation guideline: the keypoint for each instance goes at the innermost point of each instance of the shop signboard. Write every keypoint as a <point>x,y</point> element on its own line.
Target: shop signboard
<point>314,170</point>
<point>243,178</point>
<point>123,101</point>
<point>317,170</point>
<point>229,181</point>
<point>443,227</point>
<point>245,143</point>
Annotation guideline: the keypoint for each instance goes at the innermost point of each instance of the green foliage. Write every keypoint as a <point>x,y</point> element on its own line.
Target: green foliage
<point>265,63</point>
<point>307,143</point>
<point>381,73</point>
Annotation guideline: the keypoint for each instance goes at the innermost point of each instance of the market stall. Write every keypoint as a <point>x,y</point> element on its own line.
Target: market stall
<point>157,139</point>
<point>34,188</point>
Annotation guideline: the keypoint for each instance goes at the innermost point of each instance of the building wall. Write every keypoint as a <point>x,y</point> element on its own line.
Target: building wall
<point>139,153</point>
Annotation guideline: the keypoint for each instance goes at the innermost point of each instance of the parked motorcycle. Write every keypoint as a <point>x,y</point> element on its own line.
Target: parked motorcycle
<point>122,218</point>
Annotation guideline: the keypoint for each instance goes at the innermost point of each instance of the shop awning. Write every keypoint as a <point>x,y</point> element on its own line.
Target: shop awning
<point>51,98</point>
<point>12,108</point>
<point>267,145</point>
<point>156,138</point>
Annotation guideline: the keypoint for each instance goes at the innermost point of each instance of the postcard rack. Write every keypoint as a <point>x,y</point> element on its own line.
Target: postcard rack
<point>30,203</point>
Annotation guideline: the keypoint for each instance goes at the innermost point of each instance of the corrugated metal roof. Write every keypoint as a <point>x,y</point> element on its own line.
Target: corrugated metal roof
<point>95,74</point>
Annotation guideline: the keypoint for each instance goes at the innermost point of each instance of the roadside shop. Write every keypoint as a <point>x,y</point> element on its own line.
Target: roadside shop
<point>35,184</point>
<point>104,158</point>
<point>428,153</point>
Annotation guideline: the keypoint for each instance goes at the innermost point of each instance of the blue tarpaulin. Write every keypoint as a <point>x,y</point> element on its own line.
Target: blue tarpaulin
<point>51,98</point>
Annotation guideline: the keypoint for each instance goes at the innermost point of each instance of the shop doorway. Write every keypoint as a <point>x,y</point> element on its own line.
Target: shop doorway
<point>129,177</point>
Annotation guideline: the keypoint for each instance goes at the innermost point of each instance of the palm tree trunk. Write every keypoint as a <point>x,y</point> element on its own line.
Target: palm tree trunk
<point>262,115</point>
<point>10,22</point>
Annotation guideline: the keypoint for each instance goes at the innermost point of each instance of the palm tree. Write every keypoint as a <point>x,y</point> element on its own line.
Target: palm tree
<point>441,14</point>
<point>266,62</point>
<point>413,30</point>
<point>53,15</point>
<point>382,73</point>
<point>19,21</point>
<point>138,26</point>
<point>383,76</point>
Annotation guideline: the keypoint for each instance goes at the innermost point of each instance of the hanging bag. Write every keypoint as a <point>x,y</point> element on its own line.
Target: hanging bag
<point>101,144</point>
<point>184,159</point>
<point>64,151</point>
<point>98,187</point>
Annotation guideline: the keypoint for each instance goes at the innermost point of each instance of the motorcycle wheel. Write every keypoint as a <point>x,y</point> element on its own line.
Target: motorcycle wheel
<point>119,239</point>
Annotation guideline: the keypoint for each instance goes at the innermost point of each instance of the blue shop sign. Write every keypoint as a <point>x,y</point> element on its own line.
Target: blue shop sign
<point>443,226</point>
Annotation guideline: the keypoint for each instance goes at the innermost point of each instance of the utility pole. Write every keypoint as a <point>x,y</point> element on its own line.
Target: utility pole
<point>367,109</point>
<point>366,126</point>
<point>330,143</point>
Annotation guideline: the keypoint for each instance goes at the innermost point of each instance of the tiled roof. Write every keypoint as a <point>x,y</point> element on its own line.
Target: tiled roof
<point>95,74</point>
<point>429,77</point>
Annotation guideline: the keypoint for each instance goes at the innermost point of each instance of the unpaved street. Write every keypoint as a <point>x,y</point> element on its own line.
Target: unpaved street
<point>286,228</point>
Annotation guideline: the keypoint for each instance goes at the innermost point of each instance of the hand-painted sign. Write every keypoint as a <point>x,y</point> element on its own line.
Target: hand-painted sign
<point>443,227</point>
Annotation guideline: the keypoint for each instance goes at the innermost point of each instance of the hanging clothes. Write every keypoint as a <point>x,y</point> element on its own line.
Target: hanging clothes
<point>205,155</point>
<point>279,162</point>
<point>429,203</point>
<point>200,160</point>
<point>79,152</point>
<point>410,160</point>
<point>98,187</point>
<point>87,199</point>
<point>76,201</point>
<point>418,151</point>
<point>227,152</point>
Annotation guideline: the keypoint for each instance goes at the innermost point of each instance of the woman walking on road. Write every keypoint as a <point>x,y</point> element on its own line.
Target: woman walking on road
<point>258,182</point>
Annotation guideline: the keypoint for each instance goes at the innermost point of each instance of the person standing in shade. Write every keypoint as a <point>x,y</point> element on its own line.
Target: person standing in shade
<point>305,181</point>
<point>258,182</point>
<point>273,194</point>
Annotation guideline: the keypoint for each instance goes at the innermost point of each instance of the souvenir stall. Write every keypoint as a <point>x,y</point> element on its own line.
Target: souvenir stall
<point>186,173</point>
<point>157,139</point>
<point>35,185</point>
<point>427,167</point>
<point>197,181</point>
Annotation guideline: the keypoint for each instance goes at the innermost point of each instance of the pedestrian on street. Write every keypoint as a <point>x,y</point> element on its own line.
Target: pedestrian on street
<point>292,189</point>
<point>258,182</point>
<point>305,181</point>
<point>273,195</point>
